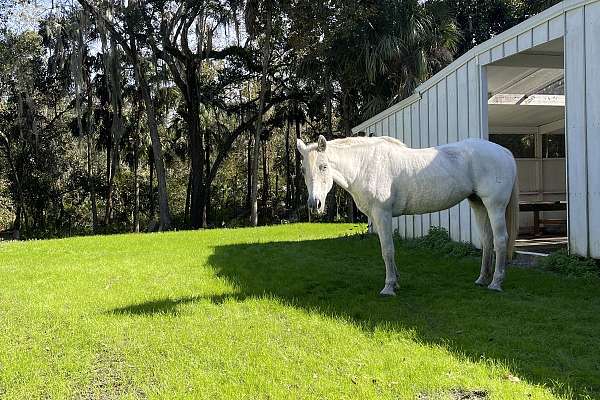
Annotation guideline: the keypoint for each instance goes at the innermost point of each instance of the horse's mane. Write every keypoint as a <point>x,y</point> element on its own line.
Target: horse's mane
<point>364,141</point>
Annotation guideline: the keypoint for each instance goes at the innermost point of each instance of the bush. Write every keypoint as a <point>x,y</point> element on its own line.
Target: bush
<point>571,265</point>
<point>438,240</point>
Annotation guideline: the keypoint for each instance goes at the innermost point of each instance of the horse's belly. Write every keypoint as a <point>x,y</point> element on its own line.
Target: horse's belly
<point>431,198</point>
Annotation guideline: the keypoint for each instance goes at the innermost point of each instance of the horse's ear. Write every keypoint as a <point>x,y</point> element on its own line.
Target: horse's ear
<point>301,146</point>
<point>322,143</point>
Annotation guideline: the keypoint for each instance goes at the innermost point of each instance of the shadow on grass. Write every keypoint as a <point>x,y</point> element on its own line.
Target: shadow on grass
<point>166,306</point>
<point>543,326</point>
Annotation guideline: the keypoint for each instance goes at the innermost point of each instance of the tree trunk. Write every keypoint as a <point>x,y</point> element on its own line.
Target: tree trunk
<point>90,172</point>
<point>288,177</point>
<point>142,82</point>
<point>136,183</point>
<point>298,167</point>
<point>188,193</point>
<point>266,187</point>
<point>347,131</point>
<point>235,205</point>
<point>207,185</point>
<point>276,198</point>
<point>113,74</point>
<point>157,160</point>
<point>20,212</point>
<point>90,155</point>
<point>207,194</point>
<point>259,122</point>
<point>108,180</point>
<point>17,221</point>
<point>249,173</point>
<point>329,108</point>
<point>151,186</point>
<point>196,147</point>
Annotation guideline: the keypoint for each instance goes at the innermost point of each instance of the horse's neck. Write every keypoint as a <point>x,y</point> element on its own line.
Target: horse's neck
<point>345,163</point>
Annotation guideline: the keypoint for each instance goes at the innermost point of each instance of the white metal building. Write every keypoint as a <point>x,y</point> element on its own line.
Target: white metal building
<point>539,78</point>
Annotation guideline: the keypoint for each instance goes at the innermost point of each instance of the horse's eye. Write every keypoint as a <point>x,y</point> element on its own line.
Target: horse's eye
<point>323,167</point>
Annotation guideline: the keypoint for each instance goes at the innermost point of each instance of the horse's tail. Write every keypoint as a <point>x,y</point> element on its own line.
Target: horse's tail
<point>512,219</point>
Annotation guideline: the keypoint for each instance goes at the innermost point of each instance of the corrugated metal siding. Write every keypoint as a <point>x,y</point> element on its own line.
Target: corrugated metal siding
<point>452,106</point>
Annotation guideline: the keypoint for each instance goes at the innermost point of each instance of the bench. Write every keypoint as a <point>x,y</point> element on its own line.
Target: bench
<point>537,207</point>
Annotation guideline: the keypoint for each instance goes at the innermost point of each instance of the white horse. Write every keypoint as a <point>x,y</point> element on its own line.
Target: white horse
<point>388,179</point>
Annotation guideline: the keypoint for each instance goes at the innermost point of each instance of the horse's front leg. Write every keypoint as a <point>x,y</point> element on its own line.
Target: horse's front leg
<point>382,221</point>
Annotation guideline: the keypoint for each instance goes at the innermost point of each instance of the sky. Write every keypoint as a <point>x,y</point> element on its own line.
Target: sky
<point>26,15</point>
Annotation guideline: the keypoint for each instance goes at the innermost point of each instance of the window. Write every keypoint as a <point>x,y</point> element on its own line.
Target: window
<point>522,146</point>
<point>553,146</point>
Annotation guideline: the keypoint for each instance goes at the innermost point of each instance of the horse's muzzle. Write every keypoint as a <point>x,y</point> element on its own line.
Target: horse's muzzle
<point>315,204</point>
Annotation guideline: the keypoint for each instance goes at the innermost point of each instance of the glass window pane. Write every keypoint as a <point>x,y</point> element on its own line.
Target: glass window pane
<point>522,146</point>
<point>553,146</point>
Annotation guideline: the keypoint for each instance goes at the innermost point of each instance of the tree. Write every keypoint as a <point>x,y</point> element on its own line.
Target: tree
<point>478,21</point>
<point>128,42</point>
<point>259,17</point>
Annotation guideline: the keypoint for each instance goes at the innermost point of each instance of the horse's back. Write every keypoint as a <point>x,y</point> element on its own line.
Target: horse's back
<point>492,167</point>
<point>417,181</point>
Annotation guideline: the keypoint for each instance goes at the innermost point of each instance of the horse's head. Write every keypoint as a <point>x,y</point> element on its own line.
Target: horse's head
<point>316,171</point>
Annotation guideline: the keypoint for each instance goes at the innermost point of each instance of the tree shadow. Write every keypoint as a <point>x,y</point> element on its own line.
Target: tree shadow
<point>162,306</point>
<point>167,305</point>
<point>543,326</point>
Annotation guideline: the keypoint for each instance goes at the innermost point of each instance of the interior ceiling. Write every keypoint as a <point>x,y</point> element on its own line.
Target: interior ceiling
<point>526,73</point>
<point>519,80</point>
<point>511,115</point>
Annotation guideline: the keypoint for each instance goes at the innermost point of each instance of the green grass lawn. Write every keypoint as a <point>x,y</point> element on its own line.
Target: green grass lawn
<point>283,312</point>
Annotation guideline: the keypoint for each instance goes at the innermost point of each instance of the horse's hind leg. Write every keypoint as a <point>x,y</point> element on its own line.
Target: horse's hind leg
<point>383,223</point>
<point>487,240</point>
<point>498,222</point>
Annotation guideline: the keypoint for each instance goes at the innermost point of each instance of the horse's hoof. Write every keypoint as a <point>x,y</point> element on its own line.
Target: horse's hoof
<point>482,282</point>
<point>495,287</point>
<point>387,293</point>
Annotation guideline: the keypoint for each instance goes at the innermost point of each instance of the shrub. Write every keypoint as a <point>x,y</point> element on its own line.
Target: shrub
<point>571,265</point>
<point>438,240</point>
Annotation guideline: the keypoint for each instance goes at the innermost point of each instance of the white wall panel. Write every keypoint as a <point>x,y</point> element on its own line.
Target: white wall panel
<point>498,52</point>
<point>540,33</point>
<point>371,129</point>
<point>452,89</point>
<point>392,132</point>
<point>525,40</point>
<point>399,125</point>
<point>424,136</point>
<point>385,127</point>
<point>462,78</point>
<point>592,94</point>
<point>556,27</point>
<point>510,47</point>
<point>442,120</point>
<point>576,131</point>
<point>434,218</point>
<point>416,143</point>
<point>412,140</point>
<point>485,58</point>
<point>474,128</point>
